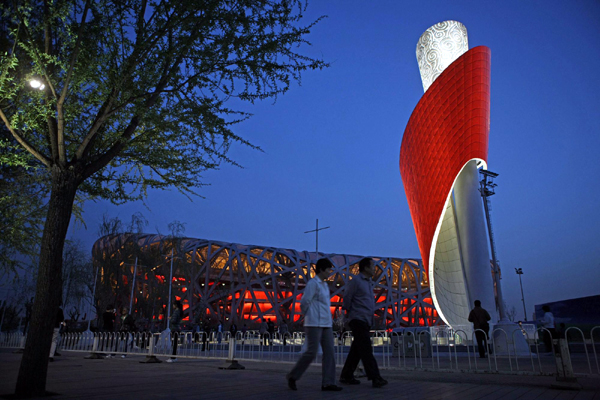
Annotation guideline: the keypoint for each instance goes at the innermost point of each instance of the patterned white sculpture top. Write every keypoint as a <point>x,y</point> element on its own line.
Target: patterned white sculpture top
<point>438,47</point>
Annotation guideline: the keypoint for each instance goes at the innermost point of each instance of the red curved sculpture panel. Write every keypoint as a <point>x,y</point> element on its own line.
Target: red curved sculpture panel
<point>448,127</point>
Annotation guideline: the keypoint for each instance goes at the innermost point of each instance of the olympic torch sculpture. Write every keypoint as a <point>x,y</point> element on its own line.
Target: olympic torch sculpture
<point>444,145</point>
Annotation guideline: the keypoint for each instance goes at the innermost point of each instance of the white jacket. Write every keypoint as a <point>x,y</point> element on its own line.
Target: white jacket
<point>548,320</point>
<point>316,304</point>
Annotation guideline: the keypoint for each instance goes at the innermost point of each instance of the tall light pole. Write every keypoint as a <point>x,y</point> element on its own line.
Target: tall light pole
<point>133,287</point>
<point>93,298</point>
<point>519,272</point>
<point>317,232</point>
<point>170,287</point>
<point>487,190</point>
<point>512,341</point>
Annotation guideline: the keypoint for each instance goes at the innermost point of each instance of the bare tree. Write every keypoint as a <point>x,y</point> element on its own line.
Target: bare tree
<point>78,280</point>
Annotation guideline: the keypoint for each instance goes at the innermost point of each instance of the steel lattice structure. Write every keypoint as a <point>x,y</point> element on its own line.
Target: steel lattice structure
<point>249,283</point>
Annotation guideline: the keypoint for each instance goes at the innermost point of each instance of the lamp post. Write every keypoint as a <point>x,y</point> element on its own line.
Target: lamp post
<point>487,189</point>
<point>93,297</point>
<point>519,272</point>
<point>317,232</point>
<point>170,288</point>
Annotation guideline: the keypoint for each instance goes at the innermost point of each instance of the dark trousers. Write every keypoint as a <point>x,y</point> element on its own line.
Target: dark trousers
<point>175,342</point>
<point>548,335</point>
<point>360,350</point>
<point>481,342</point>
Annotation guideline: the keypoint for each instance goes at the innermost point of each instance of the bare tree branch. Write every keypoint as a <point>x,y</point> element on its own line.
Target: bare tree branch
<point>62,156</point>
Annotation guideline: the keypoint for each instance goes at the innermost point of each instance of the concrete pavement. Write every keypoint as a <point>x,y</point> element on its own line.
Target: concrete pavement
<point>73,377</point>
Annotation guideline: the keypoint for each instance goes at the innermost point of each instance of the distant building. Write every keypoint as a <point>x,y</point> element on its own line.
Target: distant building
<point>230,281</point>
<point>582,312</point>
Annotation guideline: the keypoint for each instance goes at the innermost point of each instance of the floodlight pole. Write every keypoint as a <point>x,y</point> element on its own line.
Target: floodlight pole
<point>94,296</point>
<point>170,287</point>
<point>519,272</point>
<point>317,234</point>
<point>487,190</point>
<point>133,286</point>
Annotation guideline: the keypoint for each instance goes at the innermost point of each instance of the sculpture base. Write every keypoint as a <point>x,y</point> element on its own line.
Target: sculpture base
<point>234,365</point>
<point>95,356</point>
<point>508,339</point>
<point>151,360</point>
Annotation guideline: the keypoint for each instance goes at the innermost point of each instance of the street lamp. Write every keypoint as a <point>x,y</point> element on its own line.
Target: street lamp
<point>317,232</point>
<point>519,272</point>
<point>37,84</point>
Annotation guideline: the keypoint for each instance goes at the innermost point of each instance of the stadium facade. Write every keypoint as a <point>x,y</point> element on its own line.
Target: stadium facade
<point>245,283</point>
<point>444,144</point>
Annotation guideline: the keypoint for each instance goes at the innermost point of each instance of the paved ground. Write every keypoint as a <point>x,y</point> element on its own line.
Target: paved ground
<point>73,377</point>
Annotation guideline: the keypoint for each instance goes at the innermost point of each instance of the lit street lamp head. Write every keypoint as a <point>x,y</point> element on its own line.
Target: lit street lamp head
<point>519,272</point>
<point>36,84</point>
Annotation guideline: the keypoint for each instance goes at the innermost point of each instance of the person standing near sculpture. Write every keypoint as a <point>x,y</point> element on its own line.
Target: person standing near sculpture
<point>219,332</point>
<point>175,327</point>
<point>318,326</point>
<point>549,331</point>
<point>480,319</point>
<point>233,329</point>
<point>262,330</point>
<point>127,328</point>
<point>108,319</point>
<point>283,331</point>
<point>205,335</point>
<point>359,305</point>
<point>60,319</point>
<point>108,326</point>
<point>270,330</point>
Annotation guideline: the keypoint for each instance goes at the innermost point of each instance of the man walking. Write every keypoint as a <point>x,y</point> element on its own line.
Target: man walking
<point>359,304</point>
<point>318,325</point>
<point>480,317</point>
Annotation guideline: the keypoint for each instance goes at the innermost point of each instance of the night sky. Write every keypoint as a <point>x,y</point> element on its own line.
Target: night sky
<point>331,146</point>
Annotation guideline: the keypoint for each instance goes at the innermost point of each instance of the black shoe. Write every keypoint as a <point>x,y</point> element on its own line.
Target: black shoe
<point>331,388</point>
<point>292,384</point>
<point>379,382</point>
<point>51,359</point>
<point>350,381</point>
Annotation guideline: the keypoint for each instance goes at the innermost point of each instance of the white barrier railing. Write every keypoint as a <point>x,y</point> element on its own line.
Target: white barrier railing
<point>12,340</point>
<point>435,349</point>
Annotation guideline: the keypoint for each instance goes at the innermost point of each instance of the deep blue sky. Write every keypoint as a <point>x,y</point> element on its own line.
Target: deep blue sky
<point>331,145</point>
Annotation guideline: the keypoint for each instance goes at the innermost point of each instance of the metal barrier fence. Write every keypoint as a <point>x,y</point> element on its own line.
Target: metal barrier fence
<point>414,349</point>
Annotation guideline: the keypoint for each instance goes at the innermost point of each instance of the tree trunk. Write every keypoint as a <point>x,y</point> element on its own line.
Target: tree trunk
<point>31,381</point>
